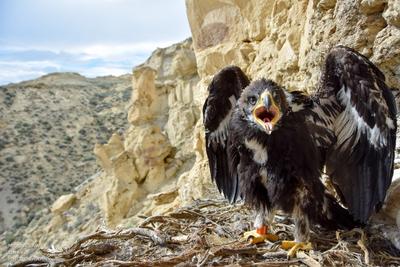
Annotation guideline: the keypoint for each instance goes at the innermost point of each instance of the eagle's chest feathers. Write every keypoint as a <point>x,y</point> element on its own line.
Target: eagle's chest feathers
<point>260,152</point>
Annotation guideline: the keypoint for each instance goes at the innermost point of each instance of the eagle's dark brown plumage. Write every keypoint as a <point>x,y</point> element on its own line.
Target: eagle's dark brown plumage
<point>269,146</point>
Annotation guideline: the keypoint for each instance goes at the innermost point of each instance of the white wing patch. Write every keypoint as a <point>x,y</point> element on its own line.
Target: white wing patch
<point>324,119</point>
<point>390,123</point>
<point>220,134</point>
<point>264,176</point>
<point>260,154</point>
<point>350,122</point>
<point>294,106</point>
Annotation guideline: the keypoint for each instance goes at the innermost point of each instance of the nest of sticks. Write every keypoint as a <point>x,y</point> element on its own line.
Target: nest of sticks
<point>208,233</point>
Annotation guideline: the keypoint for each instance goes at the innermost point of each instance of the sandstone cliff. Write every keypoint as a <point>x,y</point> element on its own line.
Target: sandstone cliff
<point>159,163</point>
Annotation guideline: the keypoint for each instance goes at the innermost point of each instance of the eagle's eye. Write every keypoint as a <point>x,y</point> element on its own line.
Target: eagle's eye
<point>252,100</point>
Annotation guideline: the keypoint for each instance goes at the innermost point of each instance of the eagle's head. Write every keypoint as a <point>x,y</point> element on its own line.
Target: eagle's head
<point>263,104</point>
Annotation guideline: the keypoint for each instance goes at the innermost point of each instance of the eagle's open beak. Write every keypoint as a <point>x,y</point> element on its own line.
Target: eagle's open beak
<point>266,112</point>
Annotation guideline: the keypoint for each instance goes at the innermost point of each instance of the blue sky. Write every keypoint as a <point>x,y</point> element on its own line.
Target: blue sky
<point>92,37</point>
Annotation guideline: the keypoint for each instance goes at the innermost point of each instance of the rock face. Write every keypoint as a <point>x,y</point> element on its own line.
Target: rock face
<point>156,145</point>
<point>159,162</point>
<point>287,40</point>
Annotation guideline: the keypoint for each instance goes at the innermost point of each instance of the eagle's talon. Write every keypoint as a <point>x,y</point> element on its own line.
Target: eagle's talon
<point>294,246</point>
<point>259,235</point>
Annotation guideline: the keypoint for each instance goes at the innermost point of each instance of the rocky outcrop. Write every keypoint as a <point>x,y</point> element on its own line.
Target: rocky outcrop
<point>159,162</point>
<point>161,116</point>
<point>287,40</point>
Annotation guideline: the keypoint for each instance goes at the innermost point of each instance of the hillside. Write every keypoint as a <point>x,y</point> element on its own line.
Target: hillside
<point>48,130</point>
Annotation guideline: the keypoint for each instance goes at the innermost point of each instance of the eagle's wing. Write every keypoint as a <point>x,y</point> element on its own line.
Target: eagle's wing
<point>362,113</point>
<point>224,90</point>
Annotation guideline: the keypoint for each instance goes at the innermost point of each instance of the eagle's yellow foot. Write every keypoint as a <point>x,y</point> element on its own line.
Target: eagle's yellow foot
<point>260,235</point>
<point>294,246</point>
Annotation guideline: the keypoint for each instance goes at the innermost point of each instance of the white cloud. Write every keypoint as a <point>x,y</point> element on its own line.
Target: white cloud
<point>14,74</point>
<point>86,36</point>
<point>104,71</point>
<point>118,51</point>
<point>18,63</point>
<point>28,64</point>
<point>96,49</point>
<point>16,71</point>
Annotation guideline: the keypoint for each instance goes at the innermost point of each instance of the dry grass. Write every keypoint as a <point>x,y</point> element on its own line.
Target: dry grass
<point>208,233</point>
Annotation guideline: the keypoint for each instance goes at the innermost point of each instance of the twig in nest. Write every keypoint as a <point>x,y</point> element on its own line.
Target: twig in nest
<point>167,261</point>
<point>275,255</point>
<point>306,259</point>
<point>179,239</point>
<point>278,263</point>
<point>160,219</point>
<point>157,238</point>
<point>153,219</point>
<point>80,258</point>
<point>227,251</point>
<point>212,221</point>
<point>126,233</point>
<point>388,256</point>
<point>183,214</point>
<point>361,244</point>
<point>204,259</point>
<point>99,249</point>
<point>36,262</point>
<point>208,202</point>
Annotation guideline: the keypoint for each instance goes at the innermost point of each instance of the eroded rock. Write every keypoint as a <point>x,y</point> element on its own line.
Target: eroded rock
<point>155,146</point>
<point>63,203</point>
<point>392,13</point>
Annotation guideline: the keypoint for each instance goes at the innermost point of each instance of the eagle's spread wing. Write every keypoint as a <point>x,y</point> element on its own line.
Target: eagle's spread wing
<point>224,90</point>
<point>360,162</point>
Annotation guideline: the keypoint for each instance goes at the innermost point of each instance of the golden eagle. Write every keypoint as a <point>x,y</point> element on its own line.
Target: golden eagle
<point>269,146</point>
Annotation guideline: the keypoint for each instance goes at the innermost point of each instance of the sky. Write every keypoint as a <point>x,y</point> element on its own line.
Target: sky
<point>91,37</point>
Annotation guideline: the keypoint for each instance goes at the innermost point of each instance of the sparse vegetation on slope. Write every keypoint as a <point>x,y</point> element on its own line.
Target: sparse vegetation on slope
<point>48,129</point>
